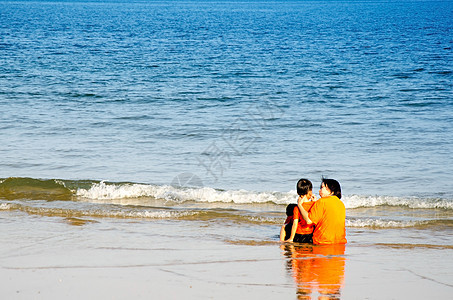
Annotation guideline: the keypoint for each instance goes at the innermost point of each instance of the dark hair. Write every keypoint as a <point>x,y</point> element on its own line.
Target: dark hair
<point>304,186</point>
<point>333,186</point>
<point>290,209</point>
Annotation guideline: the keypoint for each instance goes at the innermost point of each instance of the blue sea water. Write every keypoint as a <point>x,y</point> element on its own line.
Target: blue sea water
<point>230,95</point>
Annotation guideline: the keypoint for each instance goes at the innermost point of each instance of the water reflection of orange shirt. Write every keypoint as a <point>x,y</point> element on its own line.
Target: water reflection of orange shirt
<point>329,215</point>
<point>329,267</point>
<point>302,226</point>
<point>301,263</point>
<point>318,268</point>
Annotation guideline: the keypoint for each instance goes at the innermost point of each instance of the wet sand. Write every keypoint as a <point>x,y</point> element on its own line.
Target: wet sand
<point>54,257</point>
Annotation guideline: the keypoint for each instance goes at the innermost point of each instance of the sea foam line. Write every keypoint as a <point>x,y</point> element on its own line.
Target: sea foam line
<point>373,223</point>
<point>355,201</point>
<point>101,213</point>
<point>111,191</point>
<point>104,191</point>
<point>5,206</point>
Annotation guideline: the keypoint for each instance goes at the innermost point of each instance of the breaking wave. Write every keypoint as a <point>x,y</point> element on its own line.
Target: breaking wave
<point>54,189</point>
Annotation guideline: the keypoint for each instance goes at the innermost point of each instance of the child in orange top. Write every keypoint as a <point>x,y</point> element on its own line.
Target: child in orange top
<point>300,232</point>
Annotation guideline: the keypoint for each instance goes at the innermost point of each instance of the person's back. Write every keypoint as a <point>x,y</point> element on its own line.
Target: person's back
<point>329,214</point>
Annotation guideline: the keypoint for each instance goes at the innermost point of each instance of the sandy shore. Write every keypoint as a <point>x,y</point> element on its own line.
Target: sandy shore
<point>50,258</point>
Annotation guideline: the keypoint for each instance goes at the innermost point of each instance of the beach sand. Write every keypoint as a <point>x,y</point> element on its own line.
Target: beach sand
<point>54,257</point>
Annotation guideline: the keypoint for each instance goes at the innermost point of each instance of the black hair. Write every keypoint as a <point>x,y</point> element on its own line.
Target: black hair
<point>290,209</point>
<point>304,186</point>
<point>333,186</point>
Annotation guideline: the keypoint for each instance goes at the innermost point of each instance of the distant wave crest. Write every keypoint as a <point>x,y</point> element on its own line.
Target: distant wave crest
<point>104,191</point>
<point>377,223</point>
<point>356,201</point>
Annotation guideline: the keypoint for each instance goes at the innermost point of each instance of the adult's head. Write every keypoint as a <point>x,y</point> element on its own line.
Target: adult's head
<point>331,187</point>
<point>304,186</point>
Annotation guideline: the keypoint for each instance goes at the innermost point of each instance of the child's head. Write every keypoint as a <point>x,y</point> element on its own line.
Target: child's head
<point>290,209</point>
<point>304,187</point>
<point>330,187</point>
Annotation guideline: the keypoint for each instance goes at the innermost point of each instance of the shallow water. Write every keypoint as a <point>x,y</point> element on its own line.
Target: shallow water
<point>61,256</point>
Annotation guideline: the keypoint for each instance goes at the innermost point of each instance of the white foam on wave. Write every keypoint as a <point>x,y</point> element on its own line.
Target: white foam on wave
<point>106,191</point>
<point>355,201</point>
<point>377,223</point>
<point>266,220</point>
<point>115,191</point>
<point>144,214</point>
<point>5,206</point>
<point>204,194</point>
<point>103,213</point>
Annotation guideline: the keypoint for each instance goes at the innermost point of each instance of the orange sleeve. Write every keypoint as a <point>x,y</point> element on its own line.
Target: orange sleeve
<point>308,205</point>
<point>316,211</point>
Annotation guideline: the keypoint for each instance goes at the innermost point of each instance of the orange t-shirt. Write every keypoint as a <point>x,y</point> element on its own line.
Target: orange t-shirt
<point>302,226</point>
<point>329,215</point>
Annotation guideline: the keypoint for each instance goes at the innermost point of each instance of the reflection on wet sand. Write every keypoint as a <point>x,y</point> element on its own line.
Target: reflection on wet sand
<point>316,269</point>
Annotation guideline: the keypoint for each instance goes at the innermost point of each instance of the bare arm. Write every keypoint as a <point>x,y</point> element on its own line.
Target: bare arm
<point>303,212</point>
<point>293,230</point>
<point>282,234</point>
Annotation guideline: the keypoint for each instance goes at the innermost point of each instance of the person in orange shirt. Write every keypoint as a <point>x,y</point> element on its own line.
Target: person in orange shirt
<point>328,214</point>
<point>301,232</point>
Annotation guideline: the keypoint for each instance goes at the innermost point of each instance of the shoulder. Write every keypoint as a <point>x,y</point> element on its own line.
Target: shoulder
<point>329,199</point>
<point>333,202</point>
<point>334,199</point>
<point>323,203</point>
<point>308,205</point>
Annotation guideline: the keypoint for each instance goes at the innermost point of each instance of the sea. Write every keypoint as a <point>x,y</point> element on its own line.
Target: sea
<point>211,111</point>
